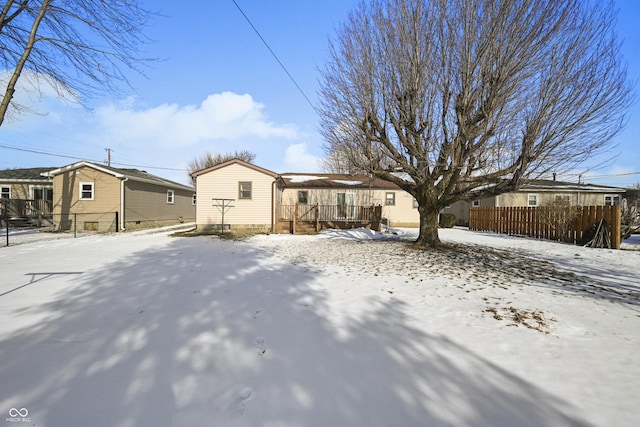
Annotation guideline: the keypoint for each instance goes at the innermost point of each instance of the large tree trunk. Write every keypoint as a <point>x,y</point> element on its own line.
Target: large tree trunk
<point>428,236</point>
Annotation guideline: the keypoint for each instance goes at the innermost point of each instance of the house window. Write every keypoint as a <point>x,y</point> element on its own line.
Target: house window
<point>390,199</point>
<point>5,192</point>
<point>86,191</point>
<point>244,190</point>
<point>303,197</point>
<point>475,203</point>
<point>611,200</point>
<point>532,200</point>
<point>562,199</point>
<point>170,196</point>
<point>193,200</point>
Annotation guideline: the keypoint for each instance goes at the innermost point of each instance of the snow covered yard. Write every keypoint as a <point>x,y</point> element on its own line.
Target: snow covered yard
<point>341,329</point>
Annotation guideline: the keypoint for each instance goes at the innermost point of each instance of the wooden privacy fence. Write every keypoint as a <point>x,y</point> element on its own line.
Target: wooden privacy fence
<point>568,223</point>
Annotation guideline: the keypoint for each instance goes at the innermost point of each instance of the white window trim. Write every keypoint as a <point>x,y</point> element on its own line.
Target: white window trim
<point>3,187</point>
<point>194,199</point>
<point>537,200</point>
<point>240,190</point>
<point>171,196</point>
<point>93,191</point>
<point>393,198</point>
<point>476,203</point>
<point>44,188</point>
<point>613,198</point>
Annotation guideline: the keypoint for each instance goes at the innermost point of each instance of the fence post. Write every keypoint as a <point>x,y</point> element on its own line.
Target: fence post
<point>75,222</point>
<point>117,224</point>
<point>616,217</point>
<point>295,219</point>
<point>6,218</point>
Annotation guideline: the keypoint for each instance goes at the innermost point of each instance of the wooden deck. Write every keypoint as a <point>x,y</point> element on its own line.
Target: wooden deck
<point>310,219</point>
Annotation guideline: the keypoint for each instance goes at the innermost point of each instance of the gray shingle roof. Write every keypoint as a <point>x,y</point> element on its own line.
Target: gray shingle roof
<point>25,174</point>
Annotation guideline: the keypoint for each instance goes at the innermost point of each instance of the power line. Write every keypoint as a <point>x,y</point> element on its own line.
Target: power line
<point>275,56</point>
<point>86,159</point>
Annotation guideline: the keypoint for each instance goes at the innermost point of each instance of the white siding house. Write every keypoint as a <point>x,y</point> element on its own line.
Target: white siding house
<point>245,190</point>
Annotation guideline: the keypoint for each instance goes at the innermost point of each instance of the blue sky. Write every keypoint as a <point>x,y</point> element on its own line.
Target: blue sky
<point>217,88</point>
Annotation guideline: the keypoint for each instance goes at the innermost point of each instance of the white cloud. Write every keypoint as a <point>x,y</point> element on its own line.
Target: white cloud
<point>224,116</point>
<point>298,159</point>
<point>36,94</point>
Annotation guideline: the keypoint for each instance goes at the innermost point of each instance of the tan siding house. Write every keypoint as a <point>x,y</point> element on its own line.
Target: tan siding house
<point>26,196</point>
<point>26,184</point>
<point>99,198</point>
<point>256,199</point>
<point>398,207</point>
<point>543,193</point>
<point>249,189</point>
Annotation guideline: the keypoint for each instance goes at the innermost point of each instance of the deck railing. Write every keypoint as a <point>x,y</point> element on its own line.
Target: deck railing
<point>25,208</point>
<point>345,213</point>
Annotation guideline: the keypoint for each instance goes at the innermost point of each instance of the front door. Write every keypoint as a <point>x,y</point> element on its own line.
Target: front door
<point>346,205</point>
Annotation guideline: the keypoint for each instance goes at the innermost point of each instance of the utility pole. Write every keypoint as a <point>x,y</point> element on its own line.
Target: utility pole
<point>108,150</point>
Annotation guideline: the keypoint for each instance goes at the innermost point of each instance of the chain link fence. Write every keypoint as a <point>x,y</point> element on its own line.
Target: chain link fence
<point>38,225</point>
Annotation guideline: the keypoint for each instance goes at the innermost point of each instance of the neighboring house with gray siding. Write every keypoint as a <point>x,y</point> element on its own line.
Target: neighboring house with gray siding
<point>94,195</point>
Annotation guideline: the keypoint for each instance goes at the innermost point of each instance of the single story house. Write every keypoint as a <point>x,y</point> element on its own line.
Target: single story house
<point>235,194</point>
<point>246,197</point>
<point>542,193</point>
<point>26,184</point>
<point>30,193</point>
<point>346,192</point>
<point>92,197</point>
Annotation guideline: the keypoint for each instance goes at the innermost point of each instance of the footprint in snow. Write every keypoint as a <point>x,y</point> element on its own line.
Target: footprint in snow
<point>243,396</point>
<point>257,313</point>
<point>261,345</point>
<point>233,403</point>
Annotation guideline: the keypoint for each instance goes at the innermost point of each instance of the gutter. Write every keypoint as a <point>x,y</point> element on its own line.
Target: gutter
<point>122,203</point>
<point>273,207</point>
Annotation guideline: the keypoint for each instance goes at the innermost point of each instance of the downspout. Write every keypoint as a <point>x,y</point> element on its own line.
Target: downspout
<point>273,207</point>
<point>122,203</point>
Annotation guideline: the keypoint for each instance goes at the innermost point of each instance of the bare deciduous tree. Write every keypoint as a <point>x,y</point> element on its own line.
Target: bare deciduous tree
<point>207,160</point>
<point>76,47</point>
<point>460,99</point>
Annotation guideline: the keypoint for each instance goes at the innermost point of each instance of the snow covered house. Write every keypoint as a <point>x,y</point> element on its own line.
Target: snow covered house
<point>254,199</point>
<point>92,197</point>
<point>543,193</point>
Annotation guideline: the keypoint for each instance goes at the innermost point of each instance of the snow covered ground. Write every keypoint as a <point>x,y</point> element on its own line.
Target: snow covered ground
<point>341,329</point>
